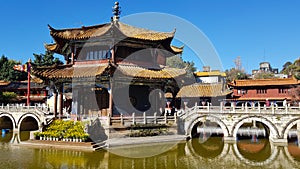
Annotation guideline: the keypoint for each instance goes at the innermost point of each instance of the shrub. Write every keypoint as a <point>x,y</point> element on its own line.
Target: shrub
<point>64,129</point>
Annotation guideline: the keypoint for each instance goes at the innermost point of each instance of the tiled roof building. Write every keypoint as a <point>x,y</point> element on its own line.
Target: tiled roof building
<point>104,60</point>
<point>38,91</point>
<point>260,90</point>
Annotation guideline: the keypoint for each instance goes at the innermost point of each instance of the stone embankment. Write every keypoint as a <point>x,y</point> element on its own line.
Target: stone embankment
<point>107,144</point>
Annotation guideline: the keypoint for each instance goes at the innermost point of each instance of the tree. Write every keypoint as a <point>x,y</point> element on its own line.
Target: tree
<point>286,65</point>
<point>264,75</point>
<point>7,73</point>
<point>46,59</point>
<point>235,74</point>
<point>177,62</point>
<point>295,95</point>
<point>7,97</point>
<point>292,69</point>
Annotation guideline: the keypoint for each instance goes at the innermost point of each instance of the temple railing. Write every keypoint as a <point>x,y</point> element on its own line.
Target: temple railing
<point>24,109</point>
<point>272,109</point>
<point>144,119</point>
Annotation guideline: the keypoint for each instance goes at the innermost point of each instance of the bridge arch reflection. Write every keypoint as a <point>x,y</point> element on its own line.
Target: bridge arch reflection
<point>272,128</point>
<point>202,119</point>
<point>212,148</point>
<point>292,155</point>
<point>268,149</point>
<point>289,126</point>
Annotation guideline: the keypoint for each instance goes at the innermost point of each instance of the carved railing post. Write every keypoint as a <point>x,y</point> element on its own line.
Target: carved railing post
<point>155,118</point>
<point>145,118</point>
<point>133,118</point>
<point>122,120</point>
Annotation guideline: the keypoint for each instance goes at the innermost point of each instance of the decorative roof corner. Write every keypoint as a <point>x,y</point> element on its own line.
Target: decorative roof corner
<point>51,47</point>
<point>50,27</point>
<point>177,49</point>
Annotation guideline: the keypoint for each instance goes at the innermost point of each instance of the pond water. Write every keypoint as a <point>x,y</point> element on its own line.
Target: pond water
<point>196,153</point>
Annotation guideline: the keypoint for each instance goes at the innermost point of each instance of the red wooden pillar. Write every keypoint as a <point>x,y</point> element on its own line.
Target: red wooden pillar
<point>28,83</point>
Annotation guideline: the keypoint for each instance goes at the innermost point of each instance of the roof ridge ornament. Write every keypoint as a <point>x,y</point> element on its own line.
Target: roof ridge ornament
<point>116,12</point>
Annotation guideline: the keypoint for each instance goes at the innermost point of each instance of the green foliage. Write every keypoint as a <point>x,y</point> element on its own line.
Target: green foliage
<point>6,97</point>
<point>235,74</point>
<point>264,75</point>
<point>177,62</point>
<point>144,130</point>
<point>46,59</point>
<point>292,69</point>
<point>7,73</point>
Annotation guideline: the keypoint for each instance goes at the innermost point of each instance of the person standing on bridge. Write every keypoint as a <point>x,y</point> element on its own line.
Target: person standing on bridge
<point>267,102</point>
<point>284,102</point>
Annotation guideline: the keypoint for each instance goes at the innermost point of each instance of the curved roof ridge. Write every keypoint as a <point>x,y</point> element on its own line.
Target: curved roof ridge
<point>86,32</point>
<point>145,29</point>
<point>78,28</point>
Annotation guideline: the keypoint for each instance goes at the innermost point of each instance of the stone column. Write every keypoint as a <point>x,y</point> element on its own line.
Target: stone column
<point>55,104</point>
<point>254,124</point>
<point>110,111</point>
<point>60,104</point>
<point>58,101</point>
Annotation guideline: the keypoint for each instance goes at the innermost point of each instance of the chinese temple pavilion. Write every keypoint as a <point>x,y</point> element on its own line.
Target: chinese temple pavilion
<point>112,68</point>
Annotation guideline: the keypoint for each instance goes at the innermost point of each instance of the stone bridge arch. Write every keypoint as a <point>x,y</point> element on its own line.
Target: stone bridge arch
<point>33,115</point>
<point>289,125</point>
<point>4,114</point>
<point>201,118</point>
<point>273,129</point>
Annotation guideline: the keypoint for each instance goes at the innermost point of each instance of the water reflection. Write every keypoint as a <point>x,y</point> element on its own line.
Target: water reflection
<point>212,153</point>
<point>260,150</point>
<point>6,137</point>
<point>211,148</point>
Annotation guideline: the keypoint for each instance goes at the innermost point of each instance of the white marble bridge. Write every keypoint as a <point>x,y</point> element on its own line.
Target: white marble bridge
<point>278,120</point>
<point>18,114</point>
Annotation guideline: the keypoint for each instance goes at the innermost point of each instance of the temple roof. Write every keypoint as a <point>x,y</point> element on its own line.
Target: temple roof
<point>122,31</point>
<point>203,90</point>
<point>264,82</point>
<point>4,83</point>
<point>261,98</point>
<point>85,71</point>
<point>69,71</point>
<point>212,73</point>
<point>20,85</point>
<point>140,72</point>
<point>99,30</point>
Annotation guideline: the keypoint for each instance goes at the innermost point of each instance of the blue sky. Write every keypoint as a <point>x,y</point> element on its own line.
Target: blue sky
<point>255,30</point>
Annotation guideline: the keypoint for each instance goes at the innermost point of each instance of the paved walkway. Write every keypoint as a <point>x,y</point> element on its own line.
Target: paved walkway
<point>115,142</point>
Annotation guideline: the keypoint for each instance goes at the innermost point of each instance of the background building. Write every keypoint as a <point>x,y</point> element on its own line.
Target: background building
<point>38,92</point>
<point>265,67</point>
<point>258,91</point>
